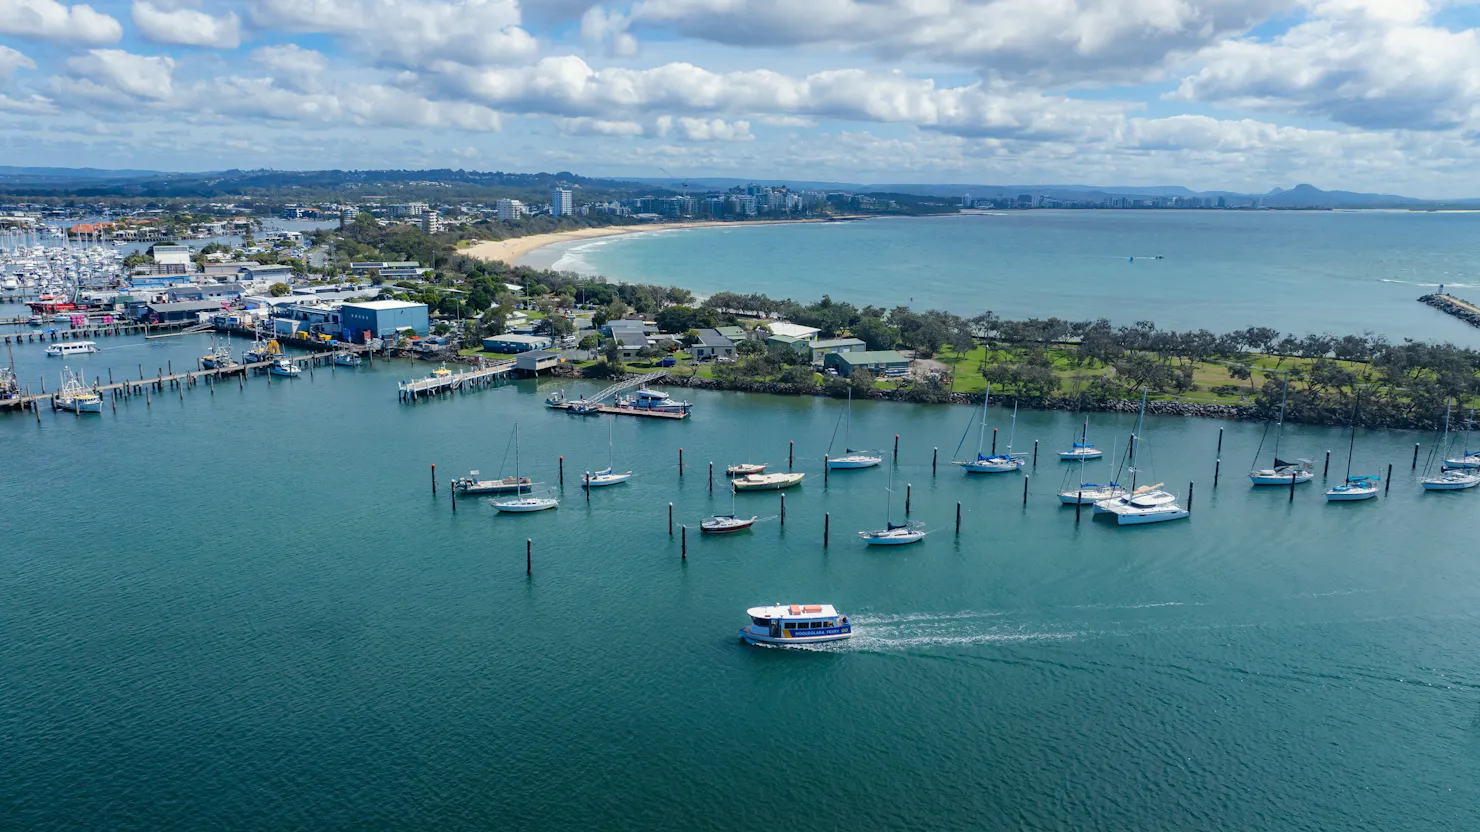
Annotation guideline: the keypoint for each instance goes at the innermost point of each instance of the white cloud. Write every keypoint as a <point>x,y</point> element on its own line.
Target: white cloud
<point>1092,41</point>
<point>605,33</point>
<point>105,72</point>
<point>292,66</point>
<point>187,27</point>
<point>12,60</point>
<point>583,126</point>
<point>715,130</point>
<point>1369,64</point>
<point>33,104</point>
<point>393,32</point>
<point>567,86</point>
<point>51,20</point>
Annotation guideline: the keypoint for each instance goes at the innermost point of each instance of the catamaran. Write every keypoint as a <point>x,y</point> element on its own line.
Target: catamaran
<point>74,396</point>
<point>795,624</point>
<point>1447,479</point>
<point>851,458</point>
<point>893,534</point>
<point>1144,504</point>
<point>1281,472</point>
<point>606,476</point>
<point>995,463</point>
<point>1353,488</point>
<point>1083,449</point>
<point>522,505</point>
<point>725,523</point>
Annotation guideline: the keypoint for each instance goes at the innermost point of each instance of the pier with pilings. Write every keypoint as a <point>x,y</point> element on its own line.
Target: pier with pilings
<point>439,383</point>
<point>90,331</point>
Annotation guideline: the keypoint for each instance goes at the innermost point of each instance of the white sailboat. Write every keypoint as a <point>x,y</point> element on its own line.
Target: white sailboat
<point>995,463</point>
<point>851,458</point>
<point>893,534</point>
<point>1083,449</point>
<point>725,523</point>
<point>522,505</point>
<point>1447,479</point>
<point>1353,488</point>
<point>1468,459</point>
<point>741,469</point>
<point>606,476</point>
<point>1144,504</point>
<point>1089,493</point>
<point>1281,472</point>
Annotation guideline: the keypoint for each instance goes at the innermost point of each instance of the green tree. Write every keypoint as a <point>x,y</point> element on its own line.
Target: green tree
<point>876,334</point>
<point>589,342</point>
<point>278,290</point>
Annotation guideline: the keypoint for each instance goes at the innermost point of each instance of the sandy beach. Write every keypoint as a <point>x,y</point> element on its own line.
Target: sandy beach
<point>510,251</point>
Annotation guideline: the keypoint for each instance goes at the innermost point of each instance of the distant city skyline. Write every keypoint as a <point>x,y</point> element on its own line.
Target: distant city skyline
<point>1239,95</point>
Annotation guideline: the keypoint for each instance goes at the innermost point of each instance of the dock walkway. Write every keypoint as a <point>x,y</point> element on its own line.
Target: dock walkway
<point>411,391</point>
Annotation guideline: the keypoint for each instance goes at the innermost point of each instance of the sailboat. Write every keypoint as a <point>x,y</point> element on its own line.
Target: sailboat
<point>1148,503</point>
<point>1353,488</point>
<point>1089,493</point>
<point>1448,479</point>
<point>606,476</point>
<point>1281,472</point>
<point>996,463</point>
<point>851,458</point>
<point>743,469</point>
<point>1468,459</point>
<point>523,504</point>
<point>724,523</point>
<point>893,534</point>
<point>1083,449</point>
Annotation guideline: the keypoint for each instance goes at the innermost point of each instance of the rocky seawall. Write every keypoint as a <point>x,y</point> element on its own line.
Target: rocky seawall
<point>776,388</point>
<point>1452,306</point>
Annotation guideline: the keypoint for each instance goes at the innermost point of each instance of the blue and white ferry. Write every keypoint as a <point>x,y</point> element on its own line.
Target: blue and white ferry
<point>796,624</point>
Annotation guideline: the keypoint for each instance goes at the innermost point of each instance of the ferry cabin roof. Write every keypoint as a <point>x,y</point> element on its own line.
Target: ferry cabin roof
<point>806,612</point>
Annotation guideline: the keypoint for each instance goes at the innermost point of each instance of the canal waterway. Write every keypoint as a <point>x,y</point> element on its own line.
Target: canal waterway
<point>247,610</point>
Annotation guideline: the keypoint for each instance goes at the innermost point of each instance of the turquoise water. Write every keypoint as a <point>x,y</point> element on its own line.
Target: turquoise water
<point>1300,272</point>
<point>246,610</point>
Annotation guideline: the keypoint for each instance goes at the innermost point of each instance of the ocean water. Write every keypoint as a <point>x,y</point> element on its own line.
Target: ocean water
<point>1300,272</point>
<point>245,609</point>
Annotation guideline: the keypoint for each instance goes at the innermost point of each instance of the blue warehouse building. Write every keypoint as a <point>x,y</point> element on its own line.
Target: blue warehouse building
<point>382,319</point>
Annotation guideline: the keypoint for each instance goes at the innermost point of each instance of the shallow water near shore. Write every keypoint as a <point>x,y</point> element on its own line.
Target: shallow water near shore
<point>247,610</point>
<point>1300,272</point>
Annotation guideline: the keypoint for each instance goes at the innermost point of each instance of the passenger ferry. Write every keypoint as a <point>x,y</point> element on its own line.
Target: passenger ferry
<point>796,624</point>
<point>71,348</point>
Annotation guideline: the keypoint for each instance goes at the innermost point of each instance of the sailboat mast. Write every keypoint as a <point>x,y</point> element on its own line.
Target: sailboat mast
<point>1139,419</point>
<point>610,458</point>
<point>848,425</point>
<point>982,436</point>
<point>516,457</point>
<point>1280,425</point>
<point>1012,432</point>
<point>1351,445</point>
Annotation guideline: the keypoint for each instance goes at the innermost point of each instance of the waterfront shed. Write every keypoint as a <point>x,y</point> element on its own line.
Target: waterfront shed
<point>535,360</point>
<point>382,319</point>
<point>712,345</point>
<point>878,362</point>
<point>820,349</point>
<point>511,342</point>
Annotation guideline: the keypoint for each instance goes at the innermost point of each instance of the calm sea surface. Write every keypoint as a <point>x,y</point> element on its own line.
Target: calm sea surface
<point>1301,272</point>
<point>246,610</point>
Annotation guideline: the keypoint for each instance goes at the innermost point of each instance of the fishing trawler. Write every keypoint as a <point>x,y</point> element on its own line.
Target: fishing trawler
<point>75,397</point>
<point>795,624</point>
<point>219,358</point>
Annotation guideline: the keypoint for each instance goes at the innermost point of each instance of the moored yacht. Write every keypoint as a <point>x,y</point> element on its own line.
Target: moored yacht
<point>851,458</point>
<point>655,400</point>
<point>767,482</point>
<point>796,624</point>
<point>1358,487</point>
<point>1281,472</point>
<point>1082,449</point>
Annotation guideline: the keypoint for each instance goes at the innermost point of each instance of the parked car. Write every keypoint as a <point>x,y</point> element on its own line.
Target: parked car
<point>670,361</point>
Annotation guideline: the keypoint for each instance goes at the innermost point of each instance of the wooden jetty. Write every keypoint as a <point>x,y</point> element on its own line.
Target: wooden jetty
<point>90,331</point>
<point>162,381</point>
<point>485,375</point>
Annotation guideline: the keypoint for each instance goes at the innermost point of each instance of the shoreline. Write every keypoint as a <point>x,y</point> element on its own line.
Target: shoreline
<point>514,249</point>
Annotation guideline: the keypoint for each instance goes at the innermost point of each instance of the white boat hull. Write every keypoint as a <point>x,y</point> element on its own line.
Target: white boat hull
<point>1087,497</point>
<point>767,482</point>
<point>899,537</point>
<point>1277,478</point>
<point>600,480</point>
<point>844,462</point>
<point>1158,514</point>
<point>1451,484</point>
<point>759,638</point>
<point>725,525</point>
<point>524,506</point>
<point>83,407</point>
<point>992,467</point>
<point>1462,462</point>
<point>1076,456</point>
<point>1349,495</point>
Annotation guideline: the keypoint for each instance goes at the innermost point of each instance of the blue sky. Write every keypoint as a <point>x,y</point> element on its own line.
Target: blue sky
<point>1372,95</point>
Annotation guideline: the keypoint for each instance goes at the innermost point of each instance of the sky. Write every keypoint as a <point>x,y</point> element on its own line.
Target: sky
<point>1242,95</point>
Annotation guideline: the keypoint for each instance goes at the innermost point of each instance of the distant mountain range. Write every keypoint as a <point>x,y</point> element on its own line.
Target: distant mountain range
<point>49,181</point>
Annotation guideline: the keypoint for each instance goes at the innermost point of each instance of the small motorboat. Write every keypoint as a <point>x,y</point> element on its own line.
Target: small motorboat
<point>556,399</point>
<point>347,359</point>
<point>766,482</point>
<point>795,625</point>
<point>745,469</point>
<point>284,367</point>
<point>508,485</point>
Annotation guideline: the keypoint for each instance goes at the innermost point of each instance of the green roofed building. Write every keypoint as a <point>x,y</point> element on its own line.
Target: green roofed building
<point>878,362</point>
